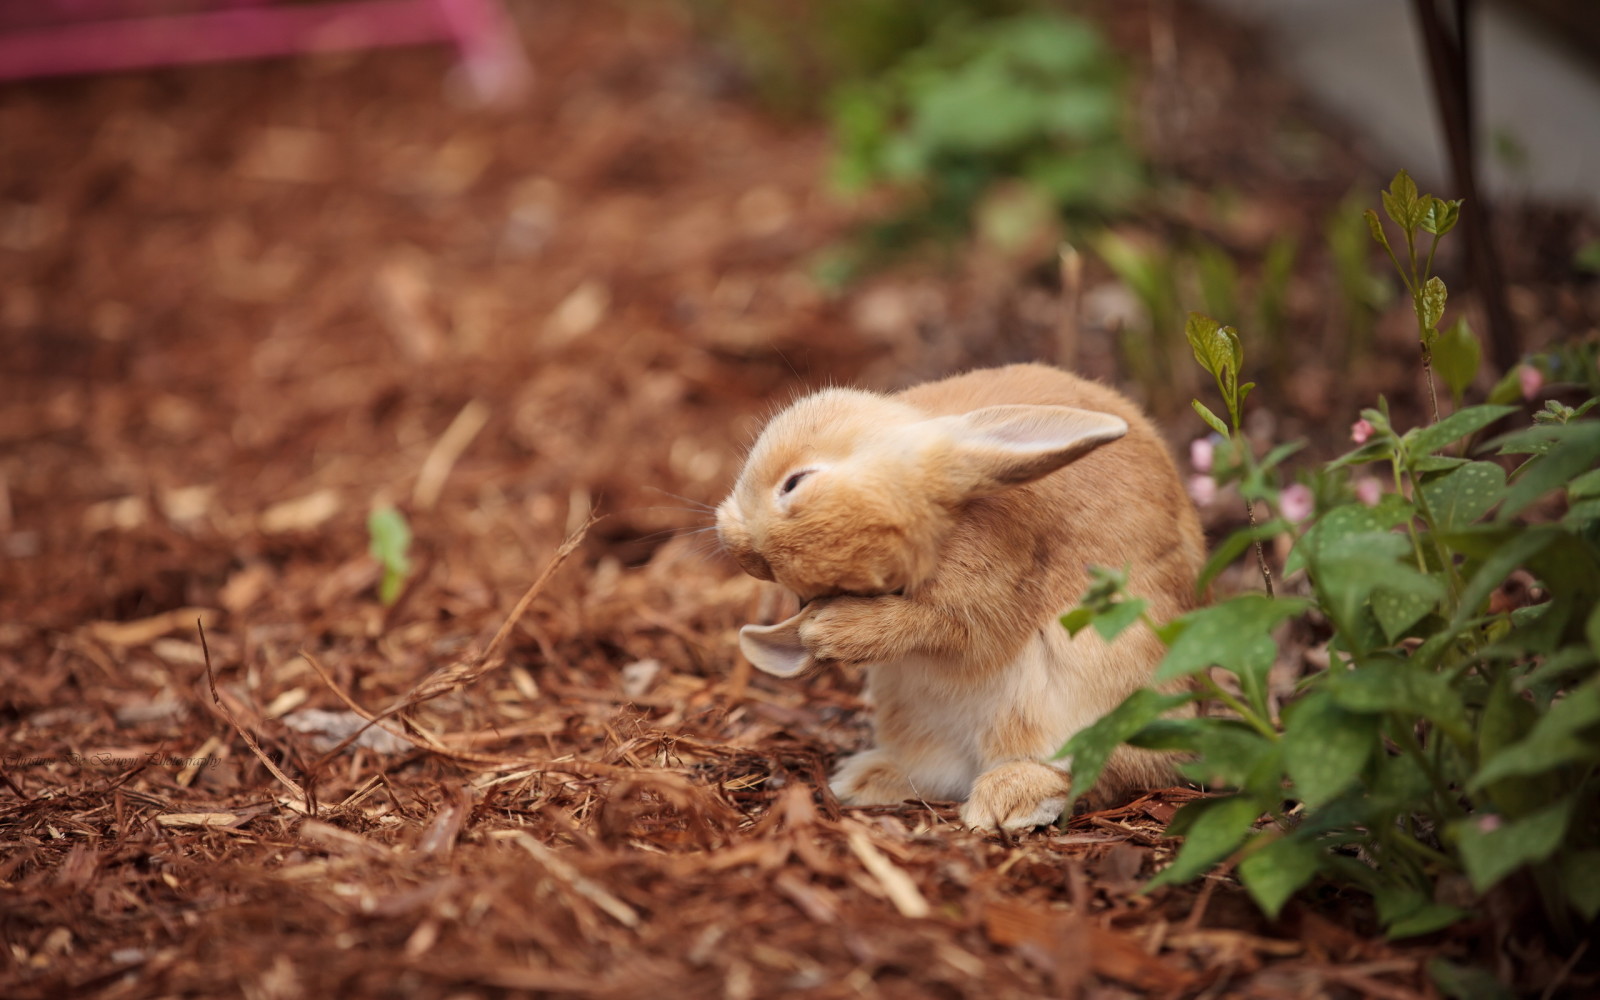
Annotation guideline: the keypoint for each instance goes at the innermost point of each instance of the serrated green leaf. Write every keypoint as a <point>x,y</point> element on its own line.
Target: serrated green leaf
<point>1278,870</point>
<point>1456,357</point>
<point>1427,440</point>
<point>1210,347</point>
<point>1432,302</point>
<point>1375,227</point>
<point>1463,496</point>
<point>1212,420</point>
<point>1215,829</point>
<point>1234,634</point>
<point>1404,192</point>
<point>1439,216</point>
<point>1492,848</point>
<point>1325,747</point>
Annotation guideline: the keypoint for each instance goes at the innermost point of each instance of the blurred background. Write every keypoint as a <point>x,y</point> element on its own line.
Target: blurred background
<point>324,322</point>
<point>266,267</point>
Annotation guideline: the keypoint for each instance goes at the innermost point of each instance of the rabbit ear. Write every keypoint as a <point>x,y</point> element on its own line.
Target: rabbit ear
<point>998,447</point>
<point>776,649</point>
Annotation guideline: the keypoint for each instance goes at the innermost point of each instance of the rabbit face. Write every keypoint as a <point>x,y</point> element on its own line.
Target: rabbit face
<point>836,499</point>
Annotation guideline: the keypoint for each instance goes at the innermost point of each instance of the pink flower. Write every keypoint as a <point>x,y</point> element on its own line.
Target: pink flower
<point>1202,489</point>
<point>1201,452</point>
<point>1369,491</point>
<point>1295,503</point>
<point>1531,379</point>
<point>1360,431</point>
<point>1489,823</point>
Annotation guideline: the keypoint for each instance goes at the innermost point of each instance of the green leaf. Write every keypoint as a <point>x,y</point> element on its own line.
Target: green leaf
<point>1580,877</point>
<point>1377,450</point>
<point>1396,610</point>
<point>1569,733</point>
<point>1432,303</point>
<point>1375,226</point>
<point>1234,634</point>
<point>1213,829</point>
<point>1400,201</point>
<point>1405,912</point>
<point>1093,745</point>
<point>1576,450</point>
<point>1491,848</point>
<point>1439,216</point>
<point>1463,496</point>
<point>1278,870</point>
<point>1324,536</point>
<point>1121,614</point>
<point>1325,747</point>
<point>1228,753</point>
<point>1421,441</point>
<point>1212,420</point>
<point>1456,357</point>
<point>1077,620</point>
<point>1388,684</point>
<point>1466,982</point>
<point>1208,343</point>
<point>390,540</point>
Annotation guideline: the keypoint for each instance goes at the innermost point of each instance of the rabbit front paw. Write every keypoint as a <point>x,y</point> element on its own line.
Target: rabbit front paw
<point>1016,795</point>
<point>870,778</point>
<point>849,629</point>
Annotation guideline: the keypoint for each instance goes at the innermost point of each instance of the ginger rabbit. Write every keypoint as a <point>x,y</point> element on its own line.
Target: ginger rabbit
<point>934,537</point>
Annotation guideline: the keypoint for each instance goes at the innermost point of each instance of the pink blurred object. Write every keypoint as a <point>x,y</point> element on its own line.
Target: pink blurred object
<point>59,37</point>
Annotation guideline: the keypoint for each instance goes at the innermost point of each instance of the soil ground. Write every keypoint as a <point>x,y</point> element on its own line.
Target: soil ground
<point>241,306</point>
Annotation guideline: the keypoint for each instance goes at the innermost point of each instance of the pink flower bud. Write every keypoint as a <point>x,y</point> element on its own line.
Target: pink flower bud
<point>1202,489</point>
<point>1360,431</point>
<point>1531,379</point>
<point>1295,503</point>
<point>1489,823</point>
<point>1201,452</point>
<point>1369,491</point>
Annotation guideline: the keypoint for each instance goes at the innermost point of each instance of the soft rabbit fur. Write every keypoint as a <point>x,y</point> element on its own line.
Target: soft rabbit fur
<point>934,537</point>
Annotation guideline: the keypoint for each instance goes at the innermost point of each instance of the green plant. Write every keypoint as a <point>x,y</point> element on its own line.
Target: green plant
<point>1452,745</point>
<point>792,53</point>
<point>1036,98</point>
<point>390,540</point>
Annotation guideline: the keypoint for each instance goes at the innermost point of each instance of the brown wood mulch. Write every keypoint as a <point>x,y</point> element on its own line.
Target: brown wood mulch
<point>240,306</point>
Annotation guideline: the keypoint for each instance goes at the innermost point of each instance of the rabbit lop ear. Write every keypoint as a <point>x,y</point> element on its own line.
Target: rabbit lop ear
<point>999,447</point>
<point>776,649</point>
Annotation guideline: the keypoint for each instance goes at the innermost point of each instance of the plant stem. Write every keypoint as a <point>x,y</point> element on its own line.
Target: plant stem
<point>1244,711</point>
<point>1261,553</point>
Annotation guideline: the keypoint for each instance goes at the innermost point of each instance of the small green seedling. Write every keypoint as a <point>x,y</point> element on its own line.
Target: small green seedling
<point>391,539</point>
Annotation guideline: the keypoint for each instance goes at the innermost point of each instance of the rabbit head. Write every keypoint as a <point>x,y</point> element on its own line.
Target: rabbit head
<point>851,492</point>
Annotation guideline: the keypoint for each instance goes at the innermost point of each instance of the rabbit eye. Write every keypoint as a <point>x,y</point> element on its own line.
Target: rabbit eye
<point>793,481</point>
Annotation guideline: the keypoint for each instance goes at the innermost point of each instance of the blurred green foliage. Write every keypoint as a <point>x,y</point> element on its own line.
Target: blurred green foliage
<point>1036,98</point>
